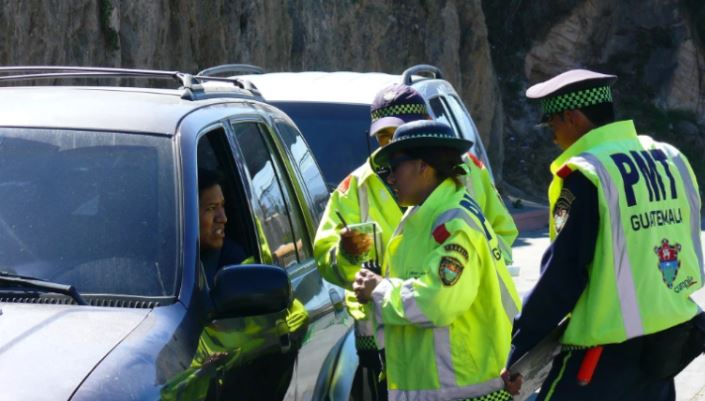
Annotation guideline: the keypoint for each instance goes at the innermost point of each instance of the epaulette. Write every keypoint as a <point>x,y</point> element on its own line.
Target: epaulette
<point>475,160</point>
<point>345,184</point>
<point>564,171</point>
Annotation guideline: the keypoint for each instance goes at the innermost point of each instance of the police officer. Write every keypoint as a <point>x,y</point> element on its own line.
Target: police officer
<point>363,196</point>
<point>625,253</point>
<point>446,330</point>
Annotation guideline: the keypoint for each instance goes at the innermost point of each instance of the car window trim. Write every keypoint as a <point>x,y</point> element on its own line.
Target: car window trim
<point>259,121</point>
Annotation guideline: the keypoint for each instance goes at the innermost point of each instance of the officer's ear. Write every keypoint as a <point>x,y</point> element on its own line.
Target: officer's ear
<point>424,169</point>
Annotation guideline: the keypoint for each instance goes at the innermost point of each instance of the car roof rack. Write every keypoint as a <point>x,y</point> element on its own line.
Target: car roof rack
<point>232,69</point>
<point>420,69</point>
<point>190,85</point>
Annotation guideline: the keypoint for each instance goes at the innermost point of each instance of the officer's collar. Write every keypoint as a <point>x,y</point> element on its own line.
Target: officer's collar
<point>616,131</point>
<point>438,197</point>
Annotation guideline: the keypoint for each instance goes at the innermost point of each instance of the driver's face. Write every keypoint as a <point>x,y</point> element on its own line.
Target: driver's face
<point>212,218</point>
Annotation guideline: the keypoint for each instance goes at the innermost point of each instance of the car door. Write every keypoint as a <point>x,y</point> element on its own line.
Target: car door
<point>311,187</point>
<point>234,355</point>
<point>279,212</point>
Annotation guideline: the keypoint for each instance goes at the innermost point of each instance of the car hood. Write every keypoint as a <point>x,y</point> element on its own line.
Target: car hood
<point>46,351</point>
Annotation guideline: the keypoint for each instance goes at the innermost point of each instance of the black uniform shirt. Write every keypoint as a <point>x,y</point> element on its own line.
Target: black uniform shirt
<point>563,267</point>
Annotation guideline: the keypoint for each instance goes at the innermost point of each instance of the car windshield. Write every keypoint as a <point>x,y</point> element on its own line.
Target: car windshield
<point>336,132</point>
<point>92,209</point>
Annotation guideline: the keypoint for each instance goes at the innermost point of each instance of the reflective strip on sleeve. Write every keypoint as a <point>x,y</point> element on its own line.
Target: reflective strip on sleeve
<point>412,312</point>
<point>333,255</point>
<point>467,180</point>
<point>510,308</point>
<point>378,295</point>
<point>363,201</point>
<point>623,269</point>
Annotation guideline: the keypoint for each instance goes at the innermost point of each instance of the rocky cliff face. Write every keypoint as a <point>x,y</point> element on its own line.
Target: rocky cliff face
<point>489,50</point>
<point>654,46</point>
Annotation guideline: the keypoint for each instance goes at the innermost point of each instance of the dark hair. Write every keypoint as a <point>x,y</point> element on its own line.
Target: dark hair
<point>446,161</point>
<point>208,178</point>
<point>599,114</point>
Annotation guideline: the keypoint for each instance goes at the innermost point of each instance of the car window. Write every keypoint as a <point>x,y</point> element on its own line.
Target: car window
<point>239,243</point>
<point>305,165</point>
<point>281,225</point>
<point>96,210</point>
<point>443,114</point>
<point>466,125</point>
<point>337,134</point>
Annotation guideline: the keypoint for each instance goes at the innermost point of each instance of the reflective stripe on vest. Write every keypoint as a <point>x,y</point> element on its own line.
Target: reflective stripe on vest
<point>510,308</point>
<point>623,269</point>
<point>693,201</point>
<point>450,393</point>
<point>365,328</point>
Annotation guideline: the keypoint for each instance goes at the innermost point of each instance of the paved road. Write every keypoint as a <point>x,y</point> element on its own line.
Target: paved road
<point>528,249</point>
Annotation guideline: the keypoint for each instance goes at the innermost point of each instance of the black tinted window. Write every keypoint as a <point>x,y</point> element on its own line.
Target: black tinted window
<point>337,134</point>
<point>304,162</point>
<point>92,209</point>
<point>443,114</point>
<point>270,202</point>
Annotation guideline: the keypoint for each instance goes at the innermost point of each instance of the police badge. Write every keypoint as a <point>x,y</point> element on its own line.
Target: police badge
<point>668,261</point>
<point>449,269</point>
<point>561,210</point>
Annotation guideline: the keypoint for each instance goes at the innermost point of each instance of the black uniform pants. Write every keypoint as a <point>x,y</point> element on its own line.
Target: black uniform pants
<point>618,376</point>
<point>371,367</point>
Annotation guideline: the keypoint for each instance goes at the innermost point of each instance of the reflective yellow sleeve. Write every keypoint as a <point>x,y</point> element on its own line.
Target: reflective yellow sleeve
<point>332,265</point>
<point>446,288</point>
<point>494,210</point>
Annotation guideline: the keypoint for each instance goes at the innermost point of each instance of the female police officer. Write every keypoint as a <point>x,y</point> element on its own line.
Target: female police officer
<point>446,302</point>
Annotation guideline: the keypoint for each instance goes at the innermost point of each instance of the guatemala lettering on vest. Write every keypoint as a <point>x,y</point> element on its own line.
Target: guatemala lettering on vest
<point>640,168</point>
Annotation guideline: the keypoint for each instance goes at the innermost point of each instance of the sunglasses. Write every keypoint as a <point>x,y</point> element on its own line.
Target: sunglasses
<point>397,161</point>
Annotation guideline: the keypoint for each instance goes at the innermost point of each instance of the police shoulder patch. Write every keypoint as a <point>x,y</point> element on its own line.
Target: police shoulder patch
<point>449,270</point>
<point>561,210</point>
<point>457,249</point>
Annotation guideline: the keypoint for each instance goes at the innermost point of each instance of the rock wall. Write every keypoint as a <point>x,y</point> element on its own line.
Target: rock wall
<point>654,46</point>
<point>489,50</point>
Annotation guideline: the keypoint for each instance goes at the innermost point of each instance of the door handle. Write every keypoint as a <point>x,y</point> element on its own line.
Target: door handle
<point>337,300</point>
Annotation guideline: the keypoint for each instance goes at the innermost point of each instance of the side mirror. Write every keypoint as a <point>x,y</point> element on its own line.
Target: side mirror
<point>250,290</point>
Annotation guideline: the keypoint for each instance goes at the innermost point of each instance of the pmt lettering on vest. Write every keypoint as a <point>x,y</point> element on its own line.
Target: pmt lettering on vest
<point>640,166</point>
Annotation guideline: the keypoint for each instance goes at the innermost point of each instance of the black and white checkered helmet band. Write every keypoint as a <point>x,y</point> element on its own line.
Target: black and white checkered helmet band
<point>400,109</point>
<point>576,100</point>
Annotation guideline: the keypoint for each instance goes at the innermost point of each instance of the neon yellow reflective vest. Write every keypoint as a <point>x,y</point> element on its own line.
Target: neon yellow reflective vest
<point>446,329</point>
<point>648,256</point>
<point>479,185</point>
<point>361,197</point>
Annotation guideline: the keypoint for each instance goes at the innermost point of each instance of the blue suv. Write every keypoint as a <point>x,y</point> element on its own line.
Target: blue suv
<point>103,294</point>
